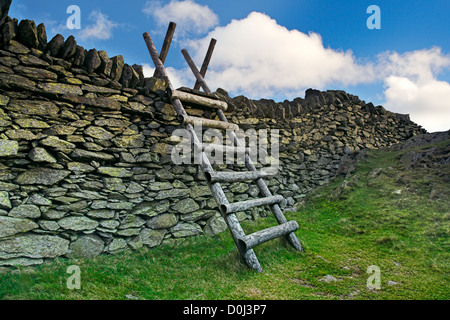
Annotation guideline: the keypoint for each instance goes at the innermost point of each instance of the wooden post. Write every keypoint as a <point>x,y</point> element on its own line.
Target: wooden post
<point>259,237</point>
<point>198,100</point>
<point>206,61</point>
<point>166,45</point>
<point>235,176</point>
<point>208,123</point>
<point>244,205</point>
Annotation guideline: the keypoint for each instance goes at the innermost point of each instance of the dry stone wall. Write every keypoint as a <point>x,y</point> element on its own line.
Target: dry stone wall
<point>85,164</point>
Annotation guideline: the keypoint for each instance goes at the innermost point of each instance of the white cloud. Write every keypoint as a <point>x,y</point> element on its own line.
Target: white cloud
<point>189,16</point>
<point>102,29</point>
<point>178,78</point>
<point>428,103</point>
<point>412,86</point>
<point>258,57</point>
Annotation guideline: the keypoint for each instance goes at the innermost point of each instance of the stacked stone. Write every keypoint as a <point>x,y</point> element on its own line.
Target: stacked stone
<point>85,143</point>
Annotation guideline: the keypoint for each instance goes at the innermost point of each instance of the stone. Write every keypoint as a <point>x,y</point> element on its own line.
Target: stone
<point>79,167</point>
<point>4,9</point>
<point>55,45</point>
<point>11,226</point>
<point>173,193</point>
<point>27,32</point>
<point>162,221</point>
<point>114,184</point>
<point>16,47</point>
<point>186,229</point>
<point>200,191</point>
<point>76,223</point>
<point>215,225</point>
<point>48,225</point>
<point>106,63</point>
<point>60,88</point>
<point>41,155</point>
<point>60,130</point>
<point>198,215</point>
<point>39,200</point>
<point>117,245</point>
<point>79,56</point>
<point>100,102</point>
<point>238,187</point>
<point>164,174</point>
<point>151,209</point>
<point>328,278</point>
<point>36,73</point>
<point>42,36</point>
<point>23,262</point>
<point>25,211</point>
<point>33,61</point>
<point>131,141</point>
<point>152,238</point>
<point>101,214</point>
<point>34,246</point>
<point>90,155</point>
<point>58,144</point>
<point>69,48</point>
<point>92,61</point>
<point>34,107</point>
<point>157,186</point>
<point>117,67</point>
<point>86,246</point>
<point>32,123</point>
<point>9,30</point>
<point>43,176</point>
<point>15,81</point>
<point>120,205</point>
<point>134,187</point>
<point>8,148</point>
<point>131,221</point>
<point>115,172</point>
<point>20,134</point>
<point>185,206</point>
<point>98,133</point>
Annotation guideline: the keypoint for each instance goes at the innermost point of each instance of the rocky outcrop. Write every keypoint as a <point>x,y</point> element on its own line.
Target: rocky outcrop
<point>85,144</point>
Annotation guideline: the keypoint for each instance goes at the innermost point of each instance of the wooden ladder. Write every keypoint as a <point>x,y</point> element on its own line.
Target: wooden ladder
<point>244,243</point>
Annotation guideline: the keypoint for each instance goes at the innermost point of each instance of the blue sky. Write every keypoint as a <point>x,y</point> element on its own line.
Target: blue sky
<point>278,49</point>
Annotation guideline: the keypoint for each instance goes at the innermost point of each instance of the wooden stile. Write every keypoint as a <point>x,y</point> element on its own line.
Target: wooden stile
<point>244,243</point>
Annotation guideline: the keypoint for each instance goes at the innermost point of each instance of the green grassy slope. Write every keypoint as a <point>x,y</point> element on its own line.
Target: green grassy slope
<point>392,211</point>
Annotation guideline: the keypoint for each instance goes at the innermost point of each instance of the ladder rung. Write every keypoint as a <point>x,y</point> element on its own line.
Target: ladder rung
<point>199,93</point>
<point>209,123</point>
<point>224,148</point>
<point>198,100</point>
<point>254,239</point>
<point>244,205</point>
<point>236,176</point>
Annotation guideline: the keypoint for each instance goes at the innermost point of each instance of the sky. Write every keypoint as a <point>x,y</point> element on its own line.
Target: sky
<point>396,55</point>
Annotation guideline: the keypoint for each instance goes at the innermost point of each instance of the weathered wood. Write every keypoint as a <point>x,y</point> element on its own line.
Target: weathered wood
<point>208,123</point>
<point>206,61</point>
<point>291,237</point>
<point>213,96</point>
<point>232,222</point>
<point>235,176</point>
<point>198,100</point>
<point>166,45</point>
<point>244,205</point>
<point>224,149</point>
<point>252,240</point>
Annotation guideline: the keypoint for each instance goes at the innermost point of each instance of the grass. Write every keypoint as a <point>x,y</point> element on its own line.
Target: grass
<point>404,233</point>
